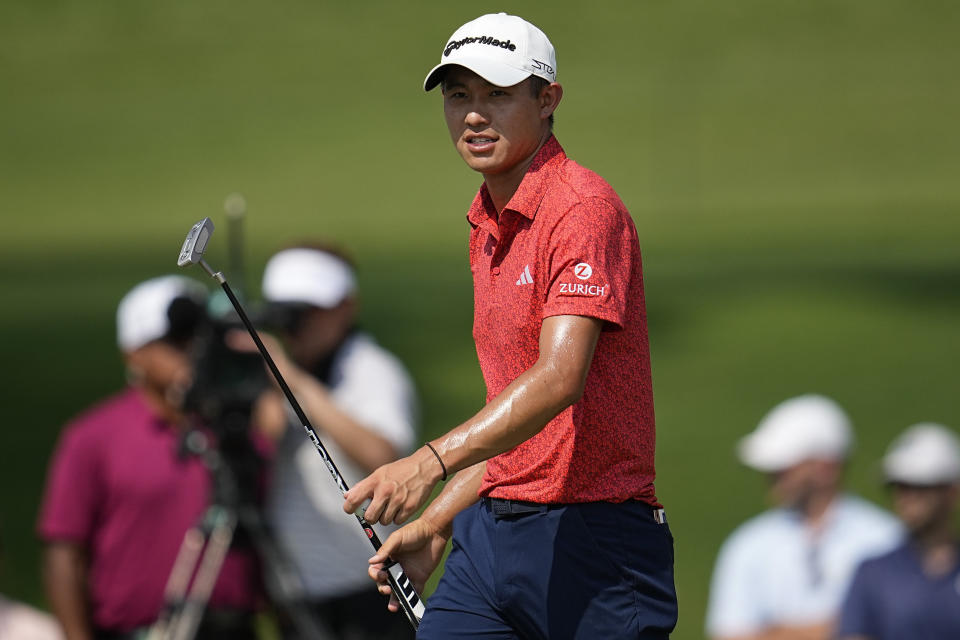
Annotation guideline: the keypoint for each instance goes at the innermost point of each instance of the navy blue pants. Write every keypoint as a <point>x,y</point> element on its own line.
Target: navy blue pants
<point>588,571</point>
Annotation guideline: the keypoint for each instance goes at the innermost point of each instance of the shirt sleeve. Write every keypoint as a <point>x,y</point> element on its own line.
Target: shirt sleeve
<point>378,392</point>
<point>592,253</point>
<point>734,605</point>
<point>857,617</point>
<point>73,491</point>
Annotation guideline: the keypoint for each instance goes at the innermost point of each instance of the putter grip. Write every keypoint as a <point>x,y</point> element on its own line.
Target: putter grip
<point>410,602</point>
<point>362,509</point>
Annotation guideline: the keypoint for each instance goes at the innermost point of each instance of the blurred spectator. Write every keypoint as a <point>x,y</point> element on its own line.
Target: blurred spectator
<point>120,496</point>
<point>783,573</point>
<point>914,591</point>
<point>362,402</point>
<point>19,621</point>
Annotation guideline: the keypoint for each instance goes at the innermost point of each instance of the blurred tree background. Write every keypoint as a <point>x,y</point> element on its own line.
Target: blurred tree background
<point>792,168</point>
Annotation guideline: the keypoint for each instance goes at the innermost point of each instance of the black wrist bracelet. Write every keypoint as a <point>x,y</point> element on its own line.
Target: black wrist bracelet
<point>442,466</point>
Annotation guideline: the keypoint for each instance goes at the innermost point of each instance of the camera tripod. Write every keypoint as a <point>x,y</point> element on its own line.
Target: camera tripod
<point>205,547</point>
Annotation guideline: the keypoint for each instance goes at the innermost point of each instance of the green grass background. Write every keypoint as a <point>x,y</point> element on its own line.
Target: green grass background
<point>792,167</point>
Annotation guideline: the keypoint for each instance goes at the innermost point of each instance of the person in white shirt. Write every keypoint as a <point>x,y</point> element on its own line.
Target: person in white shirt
<point>783,573</point>
<point>362,402</point>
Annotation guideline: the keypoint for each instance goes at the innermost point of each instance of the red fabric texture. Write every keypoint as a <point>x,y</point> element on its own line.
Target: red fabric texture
<point>566,245</point>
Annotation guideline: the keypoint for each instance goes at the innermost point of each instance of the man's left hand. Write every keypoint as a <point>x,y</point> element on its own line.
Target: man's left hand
<point>396,490</point>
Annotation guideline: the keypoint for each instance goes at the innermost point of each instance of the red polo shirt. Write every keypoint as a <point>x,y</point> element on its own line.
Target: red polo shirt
<point>565,245</point>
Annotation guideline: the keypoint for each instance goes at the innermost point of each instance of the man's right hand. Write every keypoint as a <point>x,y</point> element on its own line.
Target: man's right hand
<point>418,547</point>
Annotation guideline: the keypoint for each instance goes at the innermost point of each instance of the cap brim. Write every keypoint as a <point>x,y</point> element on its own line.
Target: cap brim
<point>755,454</point>
<point>495,73</point>
<point>902,472</point>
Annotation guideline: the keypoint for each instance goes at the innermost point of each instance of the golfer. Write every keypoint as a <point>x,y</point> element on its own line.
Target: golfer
<point>557,531</point>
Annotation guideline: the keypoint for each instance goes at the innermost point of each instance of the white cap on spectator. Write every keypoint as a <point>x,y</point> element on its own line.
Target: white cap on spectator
<point>807,427</point>
<point>500,48</point>
<point>143,313</point>
<point>308,276</point>
<point>925,454</point>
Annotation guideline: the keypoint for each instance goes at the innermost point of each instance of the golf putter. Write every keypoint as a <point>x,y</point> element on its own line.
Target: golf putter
<point>192,253</point>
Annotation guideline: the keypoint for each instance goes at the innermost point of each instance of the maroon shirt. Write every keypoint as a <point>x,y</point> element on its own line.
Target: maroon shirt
<point>566,245</point>
<point>117,486</point>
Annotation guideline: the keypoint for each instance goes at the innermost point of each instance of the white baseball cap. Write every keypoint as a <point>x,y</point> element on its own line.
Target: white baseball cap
<point>310,276</point>
<point>144,312</point>
<point>807,427</point>
<point>502,49</point>
<point>925,454</point>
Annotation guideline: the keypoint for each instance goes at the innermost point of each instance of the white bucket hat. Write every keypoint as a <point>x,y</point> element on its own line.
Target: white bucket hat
<point>143,313</point>
<point>926,454</point>
<point>502,49</point>
<point>309,276</point>
<point>807,427</point>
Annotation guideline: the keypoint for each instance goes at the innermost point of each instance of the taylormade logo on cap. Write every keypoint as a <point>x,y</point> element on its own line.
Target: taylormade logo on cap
<point>502,49</point>
<point>456,44</point>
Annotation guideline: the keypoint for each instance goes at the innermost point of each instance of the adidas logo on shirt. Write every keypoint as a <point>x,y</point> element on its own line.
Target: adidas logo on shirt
<point>525,277</point>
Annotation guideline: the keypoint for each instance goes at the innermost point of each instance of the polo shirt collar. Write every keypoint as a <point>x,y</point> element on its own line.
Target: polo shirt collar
<point>526,199</point>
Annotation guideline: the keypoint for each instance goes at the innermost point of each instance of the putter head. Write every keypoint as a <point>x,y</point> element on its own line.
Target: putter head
<point>196,243</point>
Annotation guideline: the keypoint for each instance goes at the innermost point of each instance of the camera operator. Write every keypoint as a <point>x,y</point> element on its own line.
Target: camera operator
<point>121,494</point>
<point>361,400</point>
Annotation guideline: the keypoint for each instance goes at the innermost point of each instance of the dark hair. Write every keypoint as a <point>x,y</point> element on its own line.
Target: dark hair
<point>537,84</point>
